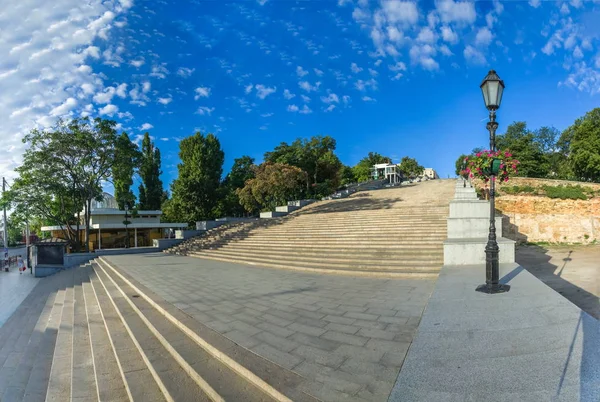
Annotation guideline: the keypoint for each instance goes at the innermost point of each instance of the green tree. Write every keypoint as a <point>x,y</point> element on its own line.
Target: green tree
<point>314,156</point>
<point>62,171</point>
<point>410,167</point>
<point>127,157</point>
<point>195,192</point>
<point>347,175</point>
<point>459,163</point>
<point>523,145</point>
<point>151,189</point>
<point>362,170</point>
<point>274,184</point>
<point>583,138</point>
<point>241,171</point>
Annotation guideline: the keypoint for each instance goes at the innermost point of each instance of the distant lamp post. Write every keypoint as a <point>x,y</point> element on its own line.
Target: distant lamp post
<point>492,88</point>
<point>464,167</point>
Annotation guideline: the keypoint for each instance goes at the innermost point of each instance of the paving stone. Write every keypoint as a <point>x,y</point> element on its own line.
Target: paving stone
<point>277,356</point>
<point>370,324</point>
<point>381,311</point>
<point>315,341</point>
<point>306,329</point>
<point>242,338</point>
<point>316,355</point>
<point>395,358</point>
<point>347,329</point>
<point>376,370</point>
<point>276,320</point>
<point>245,328</point>
<point>361,316</point>
<point>393,320</point>
<point>276,341</point>
<point>274,329</point>
<point>344,338</point>
<point>360,352</point>
<point>339,320</point>
<point>376,333</point>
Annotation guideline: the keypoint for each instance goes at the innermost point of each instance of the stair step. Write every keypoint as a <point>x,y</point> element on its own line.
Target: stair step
<point>126,374</point>
<point>349,251</point>
<point>335,243</point>
<point>59,384</point>
<point>202,377</point>
<point>83,381</point>
<point>397,273</point>
<point>320,263</point>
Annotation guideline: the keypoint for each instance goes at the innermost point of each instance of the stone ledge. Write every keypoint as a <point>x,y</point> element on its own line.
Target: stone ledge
<point>529,344</point>
<point>472,251</point>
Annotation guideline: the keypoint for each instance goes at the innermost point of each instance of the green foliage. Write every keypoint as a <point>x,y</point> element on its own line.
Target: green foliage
<point>362,170</point>
<point>410,167</point>
<point>62,172</point>
<point>127,157</point>
<point>347,175</point>
<point>526,148</point>
<point>314,156</point>
<point>274,184</point>
<point>478,165</point>
<point>568,192</point>
<point>583,139</point>
<point>151,189</point>
<point>241,171</point>
<point>195,192</point>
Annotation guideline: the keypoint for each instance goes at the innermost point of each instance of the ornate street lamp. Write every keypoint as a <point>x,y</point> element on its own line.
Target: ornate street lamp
<point>492,88</point>
<point>464,167</point>
<point>126,222</point>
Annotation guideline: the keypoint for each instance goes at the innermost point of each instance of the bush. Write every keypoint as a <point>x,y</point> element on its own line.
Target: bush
<point>566,193</point>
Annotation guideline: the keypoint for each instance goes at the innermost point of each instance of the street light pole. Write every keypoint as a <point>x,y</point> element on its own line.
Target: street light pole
<point>492,88</point>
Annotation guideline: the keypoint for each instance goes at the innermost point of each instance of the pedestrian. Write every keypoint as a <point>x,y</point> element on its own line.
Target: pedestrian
<point>21,265</point>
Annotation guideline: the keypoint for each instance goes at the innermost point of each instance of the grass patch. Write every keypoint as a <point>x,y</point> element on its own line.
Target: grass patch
<point>566,192</point>
<point>512,190</point>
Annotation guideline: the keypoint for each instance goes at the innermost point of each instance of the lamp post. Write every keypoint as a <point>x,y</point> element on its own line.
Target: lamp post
<point>464,167</point>
<point>492,88</point>
<point>126,223</point>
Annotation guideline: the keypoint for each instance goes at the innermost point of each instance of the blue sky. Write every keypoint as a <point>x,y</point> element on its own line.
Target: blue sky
<point>395,77</point>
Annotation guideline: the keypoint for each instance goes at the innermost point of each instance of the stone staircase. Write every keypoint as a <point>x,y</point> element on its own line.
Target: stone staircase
<point>385,232</point>
<point>90,334</point>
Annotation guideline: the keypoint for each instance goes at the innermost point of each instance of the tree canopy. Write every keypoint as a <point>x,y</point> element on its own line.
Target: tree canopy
<point>242,170</point>
<point>410,167</point>
<point>195,192</point>
<point>151,189</point>
<point>127,157</point>
<point>583,139</point>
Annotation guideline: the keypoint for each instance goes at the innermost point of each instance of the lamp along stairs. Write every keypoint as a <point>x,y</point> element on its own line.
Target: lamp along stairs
<point>91,334</point>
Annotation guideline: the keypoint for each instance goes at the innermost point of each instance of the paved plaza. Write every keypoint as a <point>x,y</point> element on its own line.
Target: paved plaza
<point>14,288</point>
<point>347,336</point>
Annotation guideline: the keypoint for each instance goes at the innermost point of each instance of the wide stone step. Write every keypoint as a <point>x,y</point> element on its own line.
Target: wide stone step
<point>348,236</point>
<point>388,258</point>
<point>350,251</point>
<point>423,272</point>
<point>334,243</point>
<point>327,263</point>
<point>356,228</point>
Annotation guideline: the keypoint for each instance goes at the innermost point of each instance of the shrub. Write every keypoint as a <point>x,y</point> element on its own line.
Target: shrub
<point>478,165</point>
<point>518,190</point>
<point>565,192</point>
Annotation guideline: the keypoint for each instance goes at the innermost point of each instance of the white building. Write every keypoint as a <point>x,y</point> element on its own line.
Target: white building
<point>108,230</point>
<point>388,171</point>
<point>430,173</point>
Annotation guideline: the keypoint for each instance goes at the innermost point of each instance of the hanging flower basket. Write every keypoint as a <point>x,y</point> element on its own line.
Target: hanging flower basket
<point>483,163</point>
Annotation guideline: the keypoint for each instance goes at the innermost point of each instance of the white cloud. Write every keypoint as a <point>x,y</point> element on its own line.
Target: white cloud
<point>577,53</point>
<point>248,88</point>
<point>305,98</point>
<point>346,99</point>
<point>394,34</point>
<point>262,91</point>
<point>397,77</point>
<point>399,66</point>
<point>331,98</point>
<point>185,72</point>
<point>292,108</point>
<point>423,56</point>
<point>374,73</point>
<point>159,71</point>
<point>121,91</point>
<point>426,35</point>
<point>355,68</point>
<point>445,50</point>
<point>301,72</point>
<point>267,114</point>
<point>329,108</point>
<point>305,110</point>
<point>535,3</point>
<point>146,86</point>
<point>203,110</point>
<point>202,92</point>
<point>449,35</point>
<point>305,85</point>
<point>105,96</point>
<point>474,56</point>
<point>287,94</point>
<point>108,110</point>
<point>145,127</point>
<point>363,85</point>
<point>165,101</point>
<point>318,72</point>
<point>583,78</point>
<point>368,99</point>
<point>137,63</point>
<point>124,115</point>
<point>456,11</point>
<point>484,37</point>
<point>396,11</point>
<point>564,9</point>
<point>64,108</point>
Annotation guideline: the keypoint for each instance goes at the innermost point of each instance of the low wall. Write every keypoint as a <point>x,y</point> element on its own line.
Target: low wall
<point>186,234</point>
<point>542,219</point>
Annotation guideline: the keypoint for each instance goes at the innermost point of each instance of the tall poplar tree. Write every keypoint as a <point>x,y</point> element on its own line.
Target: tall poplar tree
<point>127,157</point>
<point>151,189</point>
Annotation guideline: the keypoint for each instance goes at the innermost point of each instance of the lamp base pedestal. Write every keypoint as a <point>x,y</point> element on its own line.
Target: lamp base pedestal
<point>493,289</point>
